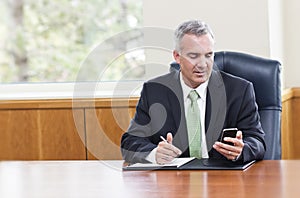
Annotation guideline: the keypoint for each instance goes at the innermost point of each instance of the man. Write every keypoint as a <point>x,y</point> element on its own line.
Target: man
<point>183,113</point>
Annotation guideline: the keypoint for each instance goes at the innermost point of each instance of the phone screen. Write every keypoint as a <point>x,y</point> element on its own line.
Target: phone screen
<point>230,132</point>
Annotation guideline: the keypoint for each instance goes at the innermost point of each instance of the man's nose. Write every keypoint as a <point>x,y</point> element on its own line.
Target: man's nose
<point>201,62</point>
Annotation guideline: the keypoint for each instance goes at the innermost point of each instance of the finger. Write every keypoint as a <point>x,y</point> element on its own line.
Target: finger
<point>225,147</point>
<point>162,157</point>
<point>239,135</point>
<point>232,155</point>
<point>174,148</point>
<point>229,154</point>
<point>235,141</point>
<point>176,151</point>
<point>169,149</point>
<point>228,151</point>
<point>170,138</point>
<point>163,161</point>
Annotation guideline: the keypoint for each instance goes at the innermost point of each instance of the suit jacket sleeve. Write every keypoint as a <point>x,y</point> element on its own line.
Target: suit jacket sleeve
<point>249,123</point>
<point>135,143</point>
<point>242,113</point>
<point>157,113</point>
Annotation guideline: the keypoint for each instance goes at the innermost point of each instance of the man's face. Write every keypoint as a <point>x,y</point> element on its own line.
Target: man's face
<point>196,58</point>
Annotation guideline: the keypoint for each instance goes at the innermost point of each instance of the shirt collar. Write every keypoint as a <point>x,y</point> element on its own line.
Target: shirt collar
<point>201,89</point>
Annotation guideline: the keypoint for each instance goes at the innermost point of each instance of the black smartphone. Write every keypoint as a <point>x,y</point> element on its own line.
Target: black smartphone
<point>229,132</point>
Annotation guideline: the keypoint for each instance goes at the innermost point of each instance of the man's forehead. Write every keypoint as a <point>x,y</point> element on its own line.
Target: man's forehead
<point>193,41</point>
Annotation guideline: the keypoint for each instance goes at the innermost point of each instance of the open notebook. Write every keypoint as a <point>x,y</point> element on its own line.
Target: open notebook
<point>175,164</point>
<point>192,164</point>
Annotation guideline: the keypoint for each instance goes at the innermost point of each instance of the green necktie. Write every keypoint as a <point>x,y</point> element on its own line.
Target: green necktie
<point>194,125</point>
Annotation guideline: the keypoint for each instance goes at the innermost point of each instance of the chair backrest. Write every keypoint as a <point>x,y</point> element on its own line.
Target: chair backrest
<point>265,76</point>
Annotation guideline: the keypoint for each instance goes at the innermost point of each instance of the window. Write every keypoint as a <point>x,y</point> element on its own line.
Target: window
<point>50,41</point>
<point>47,40</point>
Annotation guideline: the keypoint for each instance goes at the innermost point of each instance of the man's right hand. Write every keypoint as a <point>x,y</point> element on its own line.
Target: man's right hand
<point>166,151</point>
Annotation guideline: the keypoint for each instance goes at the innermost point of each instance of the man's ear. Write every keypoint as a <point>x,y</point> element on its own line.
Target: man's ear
<point>176,56</point>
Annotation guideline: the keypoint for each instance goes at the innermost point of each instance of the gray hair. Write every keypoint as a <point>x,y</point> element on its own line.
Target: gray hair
<point>195,27</point>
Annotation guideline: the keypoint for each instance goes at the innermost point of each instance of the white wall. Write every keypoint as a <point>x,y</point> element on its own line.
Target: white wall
<point>237,24</point>
<point>267,28</point>
<point>291,33</point>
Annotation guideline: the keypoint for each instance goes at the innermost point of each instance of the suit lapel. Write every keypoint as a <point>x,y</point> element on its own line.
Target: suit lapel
<point>180,139</point>
<point>215,108</point>
<point>172,82</point>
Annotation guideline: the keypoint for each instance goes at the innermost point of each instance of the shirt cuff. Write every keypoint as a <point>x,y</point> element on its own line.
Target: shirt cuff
<point>151,157</point>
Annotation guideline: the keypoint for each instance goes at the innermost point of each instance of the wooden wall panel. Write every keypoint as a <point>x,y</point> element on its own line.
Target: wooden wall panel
<point>104,128</point>
<point>286,126</point>
<point>17,140</point>
<point>60,137</point>
<point>56,129</point>
<point>290,126</point>
<point>294,133</point>
<point>40,135</point>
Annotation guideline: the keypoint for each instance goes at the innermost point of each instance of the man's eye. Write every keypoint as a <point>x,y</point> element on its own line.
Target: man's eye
<point>193,56</point>
<point>209,55</point>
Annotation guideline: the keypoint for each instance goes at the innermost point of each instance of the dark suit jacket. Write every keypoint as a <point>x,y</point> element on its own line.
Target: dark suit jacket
<point>230,103</point>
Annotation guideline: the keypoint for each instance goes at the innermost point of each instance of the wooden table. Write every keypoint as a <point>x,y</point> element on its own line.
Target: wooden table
<point>106,179</point>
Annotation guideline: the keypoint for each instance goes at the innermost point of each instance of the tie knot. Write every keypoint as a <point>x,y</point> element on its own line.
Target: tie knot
<point>193,95</point>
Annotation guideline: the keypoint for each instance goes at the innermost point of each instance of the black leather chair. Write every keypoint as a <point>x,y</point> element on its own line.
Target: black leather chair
<point>265,76</point>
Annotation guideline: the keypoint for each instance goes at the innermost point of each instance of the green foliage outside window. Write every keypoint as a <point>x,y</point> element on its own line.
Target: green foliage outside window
<point>48,40</point>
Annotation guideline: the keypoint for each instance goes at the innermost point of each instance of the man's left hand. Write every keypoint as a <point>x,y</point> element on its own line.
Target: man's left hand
<point>231,152</point>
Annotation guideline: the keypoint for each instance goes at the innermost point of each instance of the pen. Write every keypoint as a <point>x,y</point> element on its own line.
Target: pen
<point>161,137</point>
